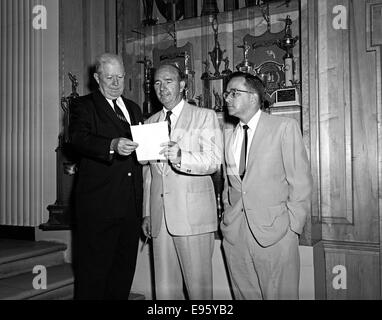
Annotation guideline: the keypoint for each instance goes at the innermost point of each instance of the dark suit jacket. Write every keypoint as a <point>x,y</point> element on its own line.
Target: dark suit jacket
<point>108,186</point>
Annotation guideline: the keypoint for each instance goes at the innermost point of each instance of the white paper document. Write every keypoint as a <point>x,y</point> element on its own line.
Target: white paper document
<point>150,137</point>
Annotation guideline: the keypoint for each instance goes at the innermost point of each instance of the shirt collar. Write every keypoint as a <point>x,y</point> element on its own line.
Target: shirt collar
<point>253,122</point>
<point>176,110</point>
<point>111,101</point>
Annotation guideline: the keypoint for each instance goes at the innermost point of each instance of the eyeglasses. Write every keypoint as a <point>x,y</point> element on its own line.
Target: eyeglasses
<point>234,93</point>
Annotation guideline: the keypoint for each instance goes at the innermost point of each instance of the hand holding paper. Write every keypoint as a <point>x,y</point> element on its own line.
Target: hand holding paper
<point>172,152</point>
<point>150,137</point>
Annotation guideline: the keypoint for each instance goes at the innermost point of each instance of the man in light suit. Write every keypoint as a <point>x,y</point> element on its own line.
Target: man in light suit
<point>266,195</point>
<point>179,198</point>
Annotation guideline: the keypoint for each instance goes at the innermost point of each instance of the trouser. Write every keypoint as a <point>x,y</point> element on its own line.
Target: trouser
<point>106,259</point>
<point>179,259</point>
<point>270,273</point>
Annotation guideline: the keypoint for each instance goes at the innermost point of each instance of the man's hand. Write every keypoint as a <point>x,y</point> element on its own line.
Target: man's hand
<point>123,146</point>
<point>171,152</point>
<point>146,227</point>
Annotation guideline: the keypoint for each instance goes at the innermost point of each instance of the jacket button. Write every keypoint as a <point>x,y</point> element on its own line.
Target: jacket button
<point>129,174</point>
<point>161,195</point>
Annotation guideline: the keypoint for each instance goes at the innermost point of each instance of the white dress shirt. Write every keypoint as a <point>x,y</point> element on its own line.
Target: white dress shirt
<point>239,136</point>
<point>175,114</point>
<point>122,106</point>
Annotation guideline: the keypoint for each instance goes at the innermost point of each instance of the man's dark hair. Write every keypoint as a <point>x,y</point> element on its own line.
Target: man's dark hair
<point>252,82</point>
<point>181,75</point>
<point>175,65</point>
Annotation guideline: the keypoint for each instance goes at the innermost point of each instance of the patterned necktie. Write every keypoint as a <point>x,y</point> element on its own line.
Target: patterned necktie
<point>243,154</point>
<point>168,119</point>
<point>119,112</point>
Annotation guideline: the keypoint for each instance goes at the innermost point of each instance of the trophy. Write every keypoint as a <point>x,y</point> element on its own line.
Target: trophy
<point>60,213</point>
<point>227,71</point>
<point>189,74</point>
<point>246,66</point>
<point>216,54</point>
<point>206,74</point>
<point>65,104</point>
<point>148,10</point>
<point>218,101</point>
<point>147,108</point>
<point>287,44</point>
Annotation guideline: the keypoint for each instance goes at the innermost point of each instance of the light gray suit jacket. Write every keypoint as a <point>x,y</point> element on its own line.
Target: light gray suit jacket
<point>186,194</point>
<point>275,192</point>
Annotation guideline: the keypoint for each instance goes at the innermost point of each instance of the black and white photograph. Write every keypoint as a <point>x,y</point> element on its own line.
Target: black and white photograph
<point>267,184</point>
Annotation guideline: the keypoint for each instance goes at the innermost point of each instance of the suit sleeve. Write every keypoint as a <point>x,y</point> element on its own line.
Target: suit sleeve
<point>298,176</point>
<point>226,203</point>
<point>208,158</point>
<point>82,133</point>
<point>146,189</point>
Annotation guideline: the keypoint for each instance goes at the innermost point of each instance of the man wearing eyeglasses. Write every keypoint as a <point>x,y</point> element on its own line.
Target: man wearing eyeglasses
<point>109,190</point>
<point>266,195</point>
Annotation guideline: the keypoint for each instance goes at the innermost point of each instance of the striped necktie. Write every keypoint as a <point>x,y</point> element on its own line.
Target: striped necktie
<point>119,112</point>
<point>168,119</point>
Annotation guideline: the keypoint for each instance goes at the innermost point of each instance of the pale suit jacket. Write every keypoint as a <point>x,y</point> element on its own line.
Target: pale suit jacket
<point>275,192</point>
<point>186,194</point>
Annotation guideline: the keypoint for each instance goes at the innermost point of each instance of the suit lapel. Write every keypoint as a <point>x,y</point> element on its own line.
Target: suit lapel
<point>133,118</point>
<point>182,123</point>
<point>103,106</point>
<point>261,132</point>
<point>179,130</point>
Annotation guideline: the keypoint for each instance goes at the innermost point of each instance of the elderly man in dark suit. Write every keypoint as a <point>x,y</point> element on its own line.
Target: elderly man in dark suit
<point>108,194</point>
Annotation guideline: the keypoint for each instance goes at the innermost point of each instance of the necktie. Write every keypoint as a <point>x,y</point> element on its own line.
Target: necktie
<point>243,154</point>
<point>168,119</point>
<point>119,112</point>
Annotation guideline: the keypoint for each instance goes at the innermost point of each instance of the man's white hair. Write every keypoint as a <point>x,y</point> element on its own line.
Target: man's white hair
<point>106,58</point>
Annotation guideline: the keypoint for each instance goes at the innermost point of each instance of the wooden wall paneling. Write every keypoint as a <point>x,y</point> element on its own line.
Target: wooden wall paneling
<point>334,123</point>
<point>312,234</point>
<point>131,46</point>
<point>309,98</point>
<point>348,130</point>
<point>365,68</point>
<point>361,277</point>
<point>374,43</point>
<point>111,26</point>
<point>71,45</point>
<point>342,89</point>
<point>87,29</point>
